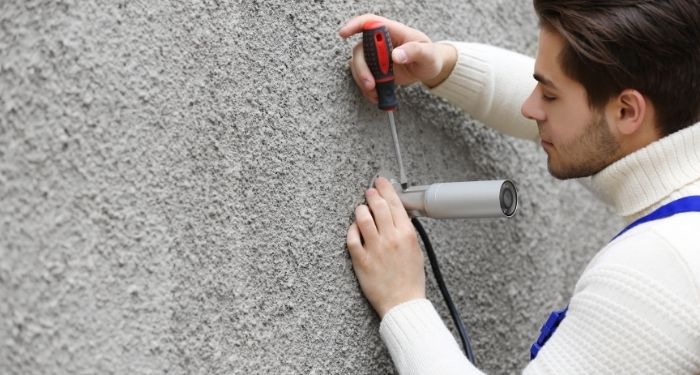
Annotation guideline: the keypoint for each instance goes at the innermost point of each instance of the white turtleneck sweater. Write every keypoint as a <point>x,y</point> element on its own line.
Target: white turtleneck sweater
<point>636,307</point>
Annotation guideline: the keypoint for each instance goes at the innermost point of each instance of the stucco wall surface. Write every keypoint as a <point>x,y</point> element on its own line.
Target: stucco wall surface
<point>177,178</point>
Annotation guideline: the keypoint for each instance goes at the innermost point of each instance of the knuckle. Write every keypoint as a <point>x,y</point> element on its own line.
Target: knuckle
<point>392,199</point>
<point>391,245</point>
<point>361,213</point>
<point>381,184</point>
<point>379,203</point>
<point>392,241</point>
<point>363,261</point>
<point>365,221</point>
<point>353,243</point>
<point>357,49</point>
<point>423,37</point>
<point>409,235</point>
<point>359,260</point>
<point>352,240</point>
<point>396,205</point>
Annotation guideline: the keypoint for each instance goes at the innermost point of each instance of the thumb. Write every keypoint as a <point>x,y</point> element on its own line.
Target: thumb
<point>421,60</point>
<point>413,52</point>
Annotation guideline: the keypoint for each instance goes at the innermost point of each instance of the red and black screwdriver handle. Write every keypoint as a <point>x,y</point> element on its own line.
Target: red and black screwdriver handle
<point>377,48</point>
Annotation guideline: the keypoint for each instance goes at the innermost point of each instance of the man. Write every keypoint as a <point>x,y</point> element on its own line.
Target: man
<point>616,98</point>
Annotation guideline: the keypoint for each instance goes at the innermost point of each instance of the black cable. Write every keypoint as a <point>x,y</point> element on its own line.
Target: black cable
<point>443,289</point>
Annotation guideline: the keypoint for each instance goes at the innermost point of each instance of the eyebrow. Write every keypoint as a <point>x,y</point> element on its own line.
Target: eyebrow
<point>539,78</point>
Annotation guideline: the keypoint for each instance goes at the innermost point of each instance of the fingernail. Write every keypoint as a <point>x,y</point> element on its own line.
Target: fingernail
<point>367,83</point>
<point>400,56</point>
<point>370,192</point>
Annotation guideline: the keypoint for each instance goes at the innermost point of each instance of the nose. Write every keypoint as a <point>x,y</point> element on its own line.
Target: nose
<point>532,107</point>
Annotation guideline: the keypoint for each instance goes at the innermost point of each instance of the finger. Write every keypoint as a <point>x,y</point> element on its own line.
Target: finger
<point>374,98</point>
<point>354,25</point>
<point>380,210</point>
<point>365,223</point>
<point>354,242</point>
<point>371,95</point>
<point>398,212</point>
<point>398,32</point>
<point>360,71</point>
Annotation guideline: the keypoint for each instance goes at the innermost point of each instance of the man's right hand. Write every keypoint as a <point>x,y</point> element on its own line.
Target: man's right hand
<point>415,57</point>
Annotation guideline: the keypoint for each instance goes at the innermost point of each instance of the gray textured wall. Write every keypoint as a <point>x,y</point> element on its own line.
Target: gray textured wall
<point>176,180</point>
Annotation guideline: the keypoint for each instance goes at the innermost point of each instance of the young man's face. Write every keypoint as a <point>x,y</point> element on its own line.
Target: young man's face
<point>577,139</point>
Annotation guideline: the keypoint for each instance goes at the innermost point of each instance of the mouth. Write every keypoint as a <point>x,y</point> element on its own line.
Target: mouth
<point>545,143</point>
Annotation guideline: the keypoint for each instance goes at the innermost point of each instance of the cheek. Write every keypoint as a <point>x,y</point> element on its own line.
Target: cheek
<point>566,122</point>
<point>559,125</point>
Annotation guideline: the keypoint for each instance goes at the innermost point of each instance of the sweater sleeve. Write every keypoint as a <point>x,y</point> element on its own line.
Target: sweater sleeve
<point>420,343</point>
<point>491,84</point>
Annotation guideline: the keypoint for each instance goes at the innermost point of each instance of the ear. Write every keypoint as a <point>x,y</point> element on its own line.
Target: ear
<point>629,111</point>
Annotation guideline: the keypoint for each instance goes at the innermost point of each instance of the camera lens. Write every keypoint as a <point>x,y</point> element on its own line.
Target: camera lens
<point>508,198</point>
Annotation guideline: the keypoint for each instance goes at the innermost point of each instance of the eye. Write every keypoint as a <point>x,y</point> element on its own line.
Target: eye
<point>545,97</point>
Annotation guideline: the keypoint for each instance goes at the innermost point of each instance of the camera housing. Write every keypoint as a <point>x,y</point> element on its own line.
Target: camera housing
<point>457,200</point>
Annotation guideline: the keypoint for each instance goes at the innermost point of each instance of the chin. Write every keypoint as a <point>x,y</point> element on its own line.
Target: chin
<point>559,175</point>
<point>568,172</point>
<point>560,172</point>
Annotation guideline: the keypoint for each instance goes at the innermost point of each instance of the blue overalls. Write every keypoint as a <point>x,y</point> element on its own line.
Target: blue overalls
<point>687,204</point>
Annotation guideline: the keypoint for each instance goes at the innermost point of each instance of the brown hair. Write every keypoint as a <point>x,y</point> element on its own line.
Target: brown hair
<point>652,46</point>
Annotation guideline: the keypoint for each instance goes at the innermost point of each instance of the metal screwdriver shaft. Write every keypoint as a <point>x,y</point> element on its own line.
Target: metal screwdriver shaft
<point>377,49</point>
<point>402,172</point>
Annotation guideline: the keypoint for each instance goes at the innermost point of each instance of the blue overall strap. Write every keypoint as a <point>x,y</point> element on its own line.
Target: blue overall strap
<point>687,204</point>
<point>547,330</point>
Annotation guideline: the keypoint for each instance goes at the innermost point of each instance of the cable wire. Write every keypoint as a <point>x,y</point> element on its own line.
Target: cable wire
<point>463,334</point>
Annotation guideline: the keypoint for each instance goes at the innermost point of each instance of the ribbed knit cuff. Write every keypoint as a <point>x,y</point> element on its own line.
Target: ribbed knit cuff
<point>419,342</point>
<point>465,85</point>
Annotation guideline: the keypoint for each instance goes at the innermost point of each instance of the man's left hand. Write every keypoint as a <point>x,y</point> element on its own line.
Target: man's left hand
<point>389,263</point>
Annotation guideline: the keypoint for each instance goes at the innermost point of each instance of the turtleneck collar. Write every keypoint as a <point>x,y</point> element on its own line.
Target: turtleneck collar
<point>651,176</point>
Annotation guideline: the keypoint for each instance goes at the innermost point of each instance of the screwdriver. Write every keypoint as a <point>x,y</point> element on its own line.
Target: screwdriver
<point>377,50</point>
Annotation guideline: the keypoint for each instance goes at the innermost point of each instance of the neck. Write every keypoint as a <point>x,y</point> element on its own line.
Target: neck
<point>643,137</point>
<point>651,174</point>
